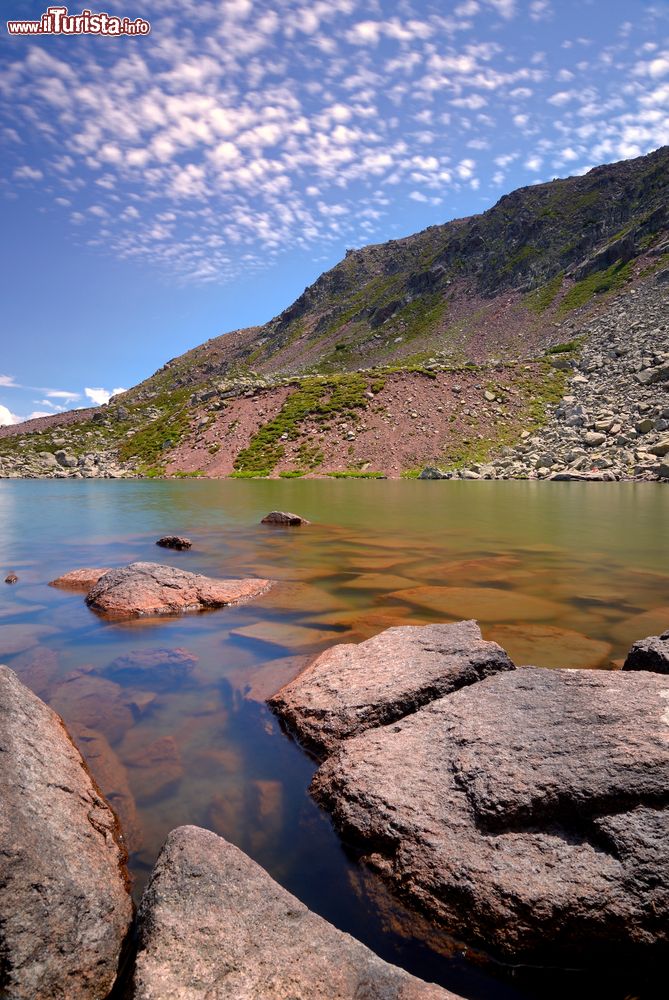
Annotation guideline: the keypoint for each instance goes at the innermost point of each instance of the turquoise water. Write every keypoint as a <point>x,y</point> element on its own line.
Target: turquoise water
<point>561,574</point>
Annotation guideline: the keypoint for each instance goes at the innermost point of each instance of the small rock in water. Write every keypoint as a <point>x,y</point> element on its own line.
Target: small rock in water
<point>174,542</point>
<point>284,517</point>
<point>650,654</point>
<point>11,577</point>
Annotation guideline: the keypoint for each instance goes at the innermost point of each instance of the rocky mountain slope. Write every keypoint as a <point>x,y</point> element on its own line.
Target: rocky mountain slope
<point>484,347</point>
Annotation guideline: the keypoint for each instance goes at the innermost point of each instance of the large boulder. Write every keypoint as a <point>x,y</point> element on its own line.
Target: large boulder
<point>650,654</point>
<point>353,687</point>
<point>527,813</point>
<point>64,903</point>
<point>212,923</point>
<point>145,588</point>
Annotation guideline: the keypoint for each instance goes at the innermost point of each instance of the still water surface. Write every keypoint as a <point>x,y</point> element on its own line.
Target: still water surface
<point>560,574</point>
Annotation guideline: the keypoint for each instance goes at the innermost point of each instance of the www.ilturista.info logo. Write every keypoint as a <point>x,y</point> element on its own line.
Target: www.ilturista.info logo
<point>57,21</point>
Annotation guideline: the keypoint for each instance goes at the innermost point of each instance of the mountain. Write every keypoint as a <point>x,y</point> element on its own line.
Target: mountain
<point>387,361</point>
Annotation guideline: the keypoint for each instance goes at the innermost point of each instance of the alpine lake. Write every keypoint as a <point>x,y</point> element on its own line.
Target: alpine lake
<point>560,574</point>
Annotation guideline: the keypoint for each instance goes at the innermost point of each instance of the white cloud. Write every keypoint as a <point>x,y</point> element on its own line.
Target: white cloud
<point>540,10</point>
<point>27,173</point>
<point>7,417</point>
<point>207,153</point>
<point>465,169</point>
<point>63,394</point>
<point>9,382</point>
<point>507,8</point>
<point>101,396</point>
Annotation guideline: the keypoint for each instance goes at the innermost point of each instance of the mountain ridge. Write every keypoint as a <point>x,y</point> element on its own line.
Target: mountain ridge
<point>493,293</point>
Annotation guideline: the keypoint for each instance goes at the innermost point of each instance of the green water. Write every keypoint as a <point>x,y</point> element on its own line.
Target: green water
<point>562,574</point>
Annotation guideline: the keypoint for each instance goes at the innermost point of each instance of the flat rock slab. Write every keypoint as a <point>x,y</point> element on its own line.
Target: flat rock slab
<point>487,604</point>
<point>285,635</point>
<point>649,654</point>
<point>213,924</point>
<point>17,638</point>
<point>283,517</point>
<point>353,687</point>
<point>64,903</point>
<point>527,814</point>
<point>549,646</point>
<point>144,588</point>
<point>79,579</point>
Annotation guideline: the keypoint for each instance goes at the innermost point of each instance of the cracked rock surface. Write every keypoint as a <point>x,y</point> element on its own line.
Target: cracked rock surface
<point>64,903</point>
<point>528,813</point>
<point>353,687</point>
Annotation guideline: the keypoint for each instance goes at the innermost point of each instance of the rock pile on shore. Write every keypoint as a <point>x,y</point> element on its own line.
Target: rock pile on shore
<point>613,422</point>
<point>64,463</point>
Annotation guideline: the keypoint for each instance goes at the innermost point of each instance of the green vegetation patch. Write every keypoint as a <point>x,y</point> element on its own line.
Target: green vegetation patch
<point>420,317</point>
<point>319,399</point>
<point>149,443</point>
<point>599,283</point>
<point>542,298</point>
<point>569,347</point>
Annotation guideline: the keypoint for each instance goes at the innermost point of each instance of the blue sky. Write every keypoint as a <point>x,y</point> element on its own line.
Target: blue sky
<point>158,191</point>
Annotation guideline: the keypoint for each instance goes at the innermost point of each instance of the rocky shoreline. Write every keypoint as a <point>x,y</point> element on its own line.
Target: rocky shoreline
<point>613,422</point>
<point>524,809</point>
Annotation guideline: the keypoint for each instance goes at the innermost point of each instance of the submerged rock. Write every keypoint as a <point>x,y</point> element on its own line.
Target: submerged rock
<point>112,778</point>
<point>17,638</point>
<point>64,903</point>
<point>157,667</point>
<point>353,687</point>
<point>154,769</point>
<point>650,654</point>
<point>145,588</point>
<point>85,700</point>
<point>174,542</point>
<point>212,923</point>
<point>285,518</point>
<point>550,646</point>
<point>79,579</point>
<point>527,813</point>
